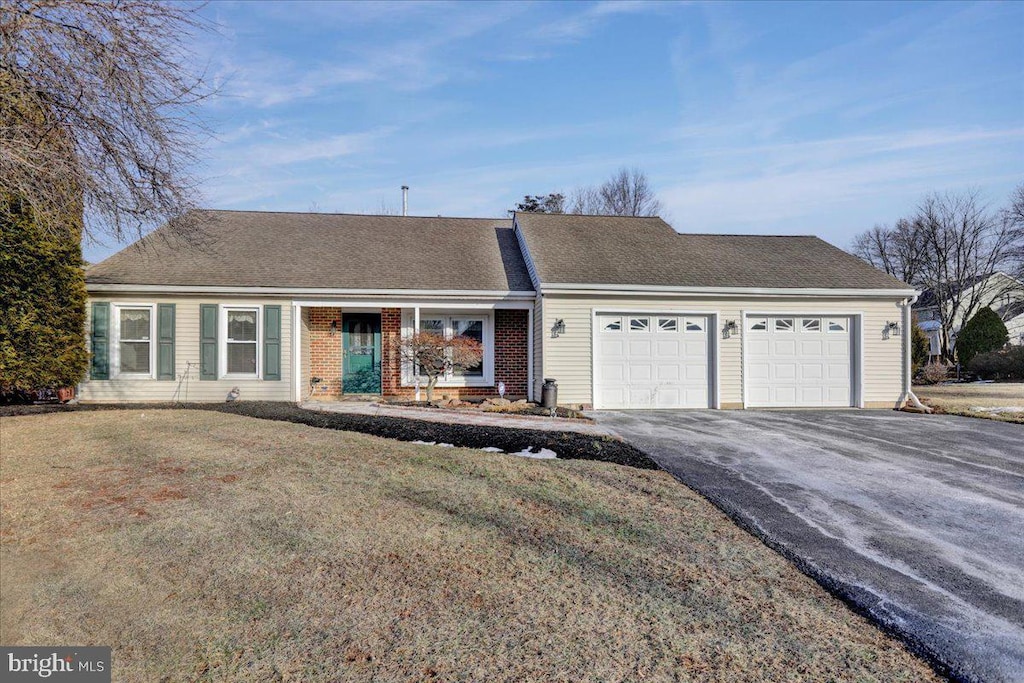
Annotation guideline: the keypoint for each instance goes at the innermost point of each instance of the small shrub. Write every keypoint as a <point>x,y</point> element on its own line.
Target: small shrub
<point>983,333</point>
<point>919,346</point>
<point>933,373</point>
<point>1006,363</point>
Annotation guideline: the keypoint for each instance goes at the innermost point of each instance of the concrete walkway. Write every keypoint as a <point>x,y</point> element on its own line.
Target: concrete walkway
<point>465,417</point>
<point>918,520</point>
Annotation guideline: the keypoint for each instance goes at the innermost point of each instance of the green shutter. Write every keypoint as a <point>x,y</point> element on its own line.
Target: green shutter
<point>208,341</point>
<point>165,341</point>
<point>100,338</point>
<point>271,342</point>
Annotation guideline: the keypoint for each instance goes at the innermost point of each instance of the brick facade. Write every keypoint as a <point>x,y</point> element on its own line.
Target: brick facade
<point>510,356</point>
<point>325,352</point>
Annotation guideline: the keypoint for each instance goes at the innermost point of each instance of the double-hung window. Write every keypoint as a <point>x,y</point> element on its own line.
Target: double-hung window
<point>134,343</point>
<point>241,335</point>
<point>472,326</point>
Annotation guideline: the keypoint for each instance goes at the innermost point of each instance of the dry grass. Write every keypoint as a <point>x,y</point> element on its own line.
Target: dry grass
<point>964,399</point>
<point>204,546</point>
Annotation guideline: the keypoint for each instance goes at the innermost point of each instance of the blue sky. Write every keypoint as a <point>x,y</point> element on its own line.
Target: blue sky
<point>793,118</point>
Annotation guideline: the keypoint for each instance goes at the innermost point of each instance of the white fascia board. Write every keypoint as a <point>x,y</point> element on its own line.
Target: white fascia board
<point>646,290</point>
<point>426,304</point>
<point>311,292</point>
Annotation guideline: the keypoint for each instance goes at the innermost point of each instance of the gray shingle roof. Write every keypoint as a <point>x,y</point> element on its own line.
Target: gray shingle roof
<point>342,251</point>
<point>613,250</point>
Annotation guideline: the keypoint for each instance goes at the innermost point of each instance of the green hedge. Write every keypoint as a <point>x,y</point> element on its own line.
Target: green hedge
<point>1006,363</point>
<point>42,318</point>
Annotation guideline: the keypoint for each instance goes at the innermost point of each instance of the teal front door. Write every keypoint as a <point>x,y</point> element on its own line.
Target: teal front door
<point>360,345</point>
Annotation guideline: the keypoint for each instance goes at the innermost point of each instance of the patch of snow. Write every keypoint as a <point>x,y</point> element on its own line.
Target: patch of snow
<point>541,454</point>
<point>492,449</point>
<point>446,445</point>
<point>424,443</point>
<point>998,409</point>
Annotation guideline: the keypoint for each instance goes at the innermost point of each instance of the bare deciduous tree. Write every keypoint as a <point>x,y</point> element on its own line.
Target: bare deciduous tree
<point>99,96</point>
<point>950,244</point>
<point>964,242</point>
<point>898,250</point>
<point>626,193</point>
<point>1013,216</point>
<point>434,355</point>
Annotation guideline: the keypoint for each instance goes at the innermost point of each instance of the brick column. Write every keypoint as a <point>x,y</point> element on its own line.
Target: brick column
<point>390,365</point>
<point>325,352</point>
<point>511,330</point>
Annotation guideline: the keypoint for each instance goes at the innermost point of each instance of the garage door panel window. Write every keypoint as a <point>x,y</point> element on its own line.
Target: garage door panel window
<point>668,324</point>
<point>812,324</point>
<point>783,324</point>
<point>639,324</point>
<point>694,324</point>
<point>612,325</point>
<point>837,326</point>
<point>758,324</point>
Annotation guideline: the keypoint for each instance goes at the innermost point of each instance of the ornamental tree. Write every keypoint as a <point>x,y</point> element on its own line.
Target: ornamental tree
<point>983,333</point>
<point>433,355</point>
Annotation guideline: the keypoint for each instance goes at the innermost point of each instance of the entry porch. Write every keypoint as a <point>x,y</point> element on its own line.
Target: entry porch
<point>347,349</point>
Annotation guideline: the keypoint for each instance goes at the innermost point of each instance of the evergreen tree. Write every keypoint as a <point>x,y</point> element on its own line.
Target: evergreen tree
<point>982,333</point>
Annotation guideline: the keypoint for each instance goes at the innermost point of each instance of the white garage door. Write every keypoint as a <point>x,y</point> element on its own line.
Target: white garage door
<point>652,361</point>
<point>799,361</point>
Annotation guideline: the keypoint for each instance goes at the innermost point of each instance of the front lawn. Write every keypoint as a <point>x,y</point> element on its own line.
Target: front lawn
<point>992,400</point>
<point>207,546</point>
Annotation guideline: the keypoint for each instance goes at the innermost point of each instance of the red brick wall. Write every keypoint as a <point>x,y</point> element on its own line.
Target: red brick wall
<point>325,352</point>
<point>510,356</point>
<point>510,350</point>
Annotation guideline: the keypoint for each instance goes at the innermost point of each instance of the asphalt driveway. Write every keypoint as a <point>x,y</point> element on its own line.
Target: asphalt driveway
<point>916,520</point>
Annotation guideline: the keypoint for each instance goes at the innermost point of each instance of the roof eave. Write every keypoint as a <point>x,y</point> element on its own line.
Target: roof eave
<point>633,290</point>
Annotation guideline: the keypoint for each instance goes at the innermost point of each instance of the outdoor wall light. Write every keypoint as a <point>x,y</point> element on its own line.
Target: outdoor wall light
<point>891,329</point>
<point>334,326</point>
<point>558,328</point>
<point>730,329</point>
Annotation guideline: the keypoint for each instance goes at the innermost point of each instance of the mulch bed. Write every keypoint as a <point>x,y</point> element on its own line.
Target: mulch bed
<point>568,445</point>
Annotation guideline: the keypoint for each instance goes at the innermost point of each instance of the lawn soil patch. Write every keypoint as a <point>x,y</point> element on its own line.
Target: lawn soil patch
<point>567,445</point>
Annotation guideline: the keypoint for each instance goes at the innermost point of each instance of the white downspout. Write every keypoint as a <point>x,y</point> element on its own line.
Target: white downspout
<point>908,341</point>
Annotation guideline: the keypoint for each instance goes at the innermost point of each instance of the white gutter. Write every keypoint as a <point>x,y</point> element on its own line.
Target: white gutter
<point>908,346</point>
<point>307,291</point>
<point>633,290</point>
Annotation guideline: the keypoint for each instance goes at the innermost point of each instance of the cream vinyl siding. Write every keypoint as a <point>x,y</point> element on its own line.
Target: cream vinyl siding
<point>569,358</point>
<point>305,389</point>
<point>186,349</point>
<point>538,348</point>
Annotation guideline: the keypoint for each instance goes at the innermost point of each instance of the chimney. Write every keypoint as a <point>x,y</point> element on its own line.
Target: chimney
<point>405,200</point>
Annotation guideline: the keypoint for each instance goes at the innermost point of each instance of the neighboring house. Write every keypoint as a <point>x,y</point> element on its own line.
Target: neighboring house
<point>622,312</point>
<point>1003,293</point>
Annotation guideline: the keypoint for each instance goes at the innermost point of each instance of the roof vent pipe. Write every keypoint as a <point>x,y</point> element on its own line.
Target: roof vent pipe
<point>405,200</point>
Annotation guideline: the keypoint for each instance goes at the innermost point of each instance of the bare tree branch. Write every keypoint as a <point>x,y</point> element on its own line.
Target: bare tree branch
<point>626,193</point>
<point>98,105</point>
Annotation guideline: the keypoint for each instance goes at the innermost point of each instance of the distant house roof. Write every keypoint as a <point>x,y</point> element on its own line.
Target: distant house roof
<point>1009,286</point>
<point>613,250</point>
<point>329,251</point>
